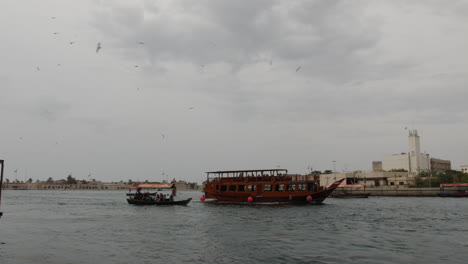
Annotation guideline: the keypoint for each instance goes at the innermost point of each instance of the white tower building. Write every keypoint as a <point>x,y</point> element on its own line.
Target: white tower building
<point>414,151</point>
<point>413,161</point>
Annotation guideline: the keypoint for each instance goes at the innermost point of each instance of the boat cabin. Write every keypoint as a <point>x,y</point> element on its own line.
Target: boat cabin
<point>161,191</point>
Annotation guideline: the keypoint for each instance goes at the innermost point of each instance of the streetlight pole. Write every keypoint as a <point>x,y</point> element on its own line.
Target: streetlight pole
<point>1,182</point>
<point>334,168</point>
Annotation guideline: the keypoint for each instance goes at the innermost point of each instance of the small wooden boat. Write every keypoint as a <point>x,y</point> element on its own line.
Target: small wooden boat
<point>456,190</point>
<point>265,186</point>
<point>154,202</point>
<point>155,198</point>
<point>350,191</point>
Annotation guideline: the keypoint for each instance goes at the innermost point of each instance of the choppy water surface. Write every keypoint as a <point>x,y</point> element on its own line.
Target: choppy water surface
<point>100,227</point>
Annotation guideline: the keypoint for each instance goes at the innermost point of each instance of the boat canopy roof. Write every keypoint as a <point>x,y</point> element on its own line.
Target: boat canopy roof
<point>454,185</point>
<point>247,171</point>
<point>154,186</point>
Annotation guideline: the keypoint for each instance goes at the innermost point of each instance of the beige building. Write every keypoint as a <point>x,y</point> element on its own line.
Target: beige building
<point>377,166</point>
<point>440,164</point>
<point>464,168</point>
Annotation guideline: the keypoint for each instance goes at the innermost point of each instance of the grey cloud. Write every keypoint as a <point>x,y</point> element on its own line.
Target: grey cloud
<point>325,36</point>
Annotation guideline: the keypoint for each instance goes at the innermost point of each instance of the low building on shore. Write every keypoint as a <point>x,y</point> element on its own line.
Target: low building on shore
<point>371,179</point>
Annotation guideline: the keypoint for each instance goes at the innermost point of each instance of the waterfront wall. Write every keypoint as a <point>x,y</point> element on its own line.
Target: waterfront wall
<point>392,191</point>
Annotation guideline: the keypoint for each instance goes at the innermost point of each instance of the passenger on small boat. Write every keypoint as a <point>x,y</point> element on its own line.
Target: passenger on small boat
<point>138,194</point>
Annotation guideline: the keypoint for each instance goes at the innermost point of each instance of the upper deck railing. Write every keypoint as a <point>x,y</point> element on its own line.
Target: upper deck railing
<point>245,174</point>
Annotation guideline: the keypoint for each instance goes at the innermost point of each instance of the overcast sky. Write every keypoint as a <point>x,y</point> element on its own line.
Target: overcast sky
<point>179,88</point>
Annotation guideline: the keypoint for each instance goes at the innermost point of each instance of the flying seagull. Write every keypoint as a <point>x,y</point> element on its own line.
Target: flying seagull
<point>37,68</point>
<point>298,68</point>
<point>141,43</point>
<point>162,135</point>
<point>191,107</point>
<point>53,17</point>
<point>98,47</point>
<point>72,42</point>
<point>56,33</point>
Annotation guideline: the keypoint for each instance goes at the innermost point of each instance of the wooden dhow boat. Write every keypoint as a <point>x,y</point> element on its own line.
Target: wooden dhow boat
<point>164,194</point>
<point>265,186</point>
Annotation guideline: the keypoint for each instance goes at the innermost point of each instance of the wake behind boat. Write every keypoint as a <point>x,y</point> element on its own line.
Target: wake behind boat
<point>164,194</point>
<point>265,186</point>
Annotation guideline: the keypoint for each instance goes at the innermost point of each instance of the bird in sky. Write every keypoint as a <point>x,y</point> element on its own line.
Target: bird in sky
<point>191,107</point>
<point>56,33</point>
<point>52,17</point>
<point>298,68</point>
<point>141,43</point>
<point>72,42</point>
<point>37,68</point>
<point>162,135</point>
<point>98,47</point>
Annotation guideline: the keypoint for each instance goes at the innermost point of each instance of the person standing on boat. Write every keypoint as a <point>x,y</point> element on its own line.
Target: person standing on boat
<point>138,194</point>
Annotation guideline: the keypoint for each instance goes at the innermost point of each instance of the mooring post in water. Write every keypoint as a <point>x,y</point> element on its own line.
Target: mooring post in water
<point>1,186</point>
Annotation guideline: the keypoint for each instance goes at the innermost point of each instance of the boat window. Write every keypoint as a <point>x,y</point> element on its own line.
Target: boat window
<point>312,187</point>
<point>217,187</point>
<point>251,188</point>
<point>241,188</point>
<point>267,188</point>
<point>301,187</point>
<point>279,187</point>
<point>232,188</point>
<point>291,187</point>
<point>223,188</point>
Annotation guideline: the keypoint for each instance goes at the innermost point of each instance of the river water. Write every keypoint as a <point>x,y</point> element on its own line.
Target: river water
<point>100,227</point>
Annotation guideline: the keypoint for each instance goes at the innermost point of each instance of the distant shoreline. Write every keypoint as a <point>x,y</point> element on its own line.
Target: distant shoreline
<point>91,185</point>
